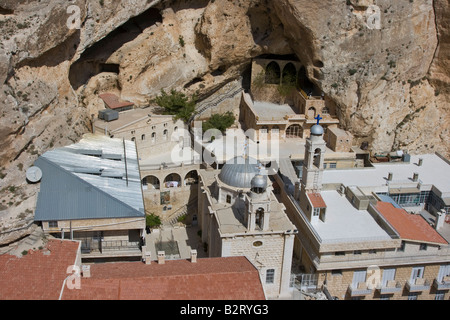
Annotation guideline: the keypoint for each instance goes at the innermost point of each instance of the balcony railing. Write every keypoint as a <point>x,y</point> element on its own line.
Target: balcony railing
<point>417,285</point>
<point>444,284</point>
<point>101,246</point>
<point>390,287</point>
<point>360,289</point>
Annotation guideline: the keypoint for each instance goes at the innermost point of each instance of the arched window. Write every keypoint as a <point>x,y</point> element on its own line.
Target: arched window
<point>151,182</point>
<point>317,154</point>
<point>153,137</point>
<point>191,178</point>
<point>172,180</point>
<point>165,133</point>
<point>143,137</point>
<point>294,131</point>
<point>259,218</point>
<point>273,73</point>
<point>311,113</point>
<point>289,75</point>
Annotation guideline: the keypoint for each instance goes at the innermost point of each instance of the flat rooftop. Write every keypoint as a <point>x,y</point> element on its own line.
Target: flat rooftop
<point>233,144</point>
<point>271,111</point>
<point>344,222</point>
<point>434,171</point>
<point>130,117</point>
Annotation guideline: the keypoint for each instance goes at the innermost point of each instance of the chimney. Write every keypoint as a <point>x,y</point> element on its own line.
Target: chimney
<point>415,176</point>
<point>440,218</point>
<point>86,270</point>
<point>194,256</point>
<point>420,162</point>
<point>148,257</point>
<point>161,257</point>
<point>390,175</point>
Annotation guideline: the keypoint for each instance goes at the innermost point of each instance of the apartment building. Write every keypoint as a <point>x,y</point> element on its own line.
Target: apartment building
<point>373,233</point>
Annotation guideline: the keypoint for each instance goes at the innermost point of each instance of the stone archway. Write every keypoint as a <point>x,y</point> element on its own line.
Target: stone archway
<point>289,74</point>
<point>151,182</point>
<point>191,178</point>
<point>273,73</point>
<point>173,180</point>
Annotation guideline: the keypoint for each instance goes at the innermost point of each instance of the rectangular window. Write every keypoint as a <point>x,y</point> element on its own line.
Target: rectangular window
<point>53,224</point>
<point>439,295</point>
<point>336,272</point>
<point>333,165</point>
<point>270,275</point>
<point>339,253</point>
<point>357,252</point>
<point>316,212</point>
<point>412,296</point>
<point>417,273</point>
<point>402,247</point>
<point>423,246</point>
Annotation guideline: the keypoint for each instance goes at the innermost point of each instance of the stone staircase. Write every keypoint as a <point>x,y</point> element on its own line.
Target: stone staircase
<point>215,101</point>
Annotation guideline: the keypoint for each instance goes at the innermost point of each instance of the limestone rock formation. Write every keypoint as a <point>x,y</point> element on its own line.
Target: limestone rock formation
<point>384,63</point>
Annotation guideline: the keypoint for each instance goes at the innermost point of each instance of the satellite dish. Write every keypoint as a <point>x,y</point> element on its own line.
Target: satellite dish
<point>34,174</point>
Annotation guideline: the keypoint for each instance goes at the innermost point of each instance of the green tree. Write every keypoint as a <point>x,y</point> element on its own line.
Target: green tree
<point>178,104</point>
<point>220,122</point>
<point>152,220</point>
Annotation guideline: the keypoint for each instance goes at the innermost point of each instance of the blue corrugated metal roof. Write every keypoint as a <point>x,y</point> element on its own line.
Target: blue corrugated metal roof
<point>68,193</point>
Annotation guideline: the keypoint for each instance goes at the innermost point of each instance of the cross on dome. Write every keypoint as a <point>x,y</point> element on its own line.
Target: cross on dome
<point>318,118</point>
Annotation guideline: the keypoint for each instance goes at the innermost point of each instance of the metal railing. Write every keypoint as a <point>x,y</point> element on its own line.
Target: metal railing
<point>91,245</point>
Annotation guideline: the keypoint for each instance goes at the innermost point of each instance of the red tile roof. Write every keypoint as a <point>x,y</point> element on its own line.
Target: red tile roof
<point>38,275</point>
<point>231,278</point>
<point>114,102</point>
<point>316,200</point>
<point>409,226</point>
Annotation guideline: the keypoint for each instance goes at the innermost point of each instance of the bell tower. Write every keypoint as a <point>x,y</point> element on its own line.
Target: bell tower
<point>258,205</point>
<point>313,163</point>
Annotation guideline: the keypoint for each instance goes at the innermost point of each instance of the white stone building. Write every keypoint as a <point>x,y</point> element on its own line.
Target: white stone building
<point>240,216</point>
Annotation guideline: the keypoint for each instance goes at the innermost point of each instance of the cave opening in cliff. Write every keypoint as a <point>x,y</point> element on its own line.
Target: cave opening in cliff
<point>6,11</point>
<point>94,59</point>
<point>305,84</point>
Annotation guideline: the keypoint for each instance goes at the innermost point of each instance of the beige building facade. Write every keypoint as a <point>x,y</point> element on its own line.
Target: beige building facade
<point>359,244</point>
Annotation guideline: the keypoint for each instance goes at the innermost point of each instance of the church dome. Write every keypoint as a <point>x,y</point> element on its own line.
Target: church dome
<point>239,172</point>
<point>259,181</point>
<point>317,130</point>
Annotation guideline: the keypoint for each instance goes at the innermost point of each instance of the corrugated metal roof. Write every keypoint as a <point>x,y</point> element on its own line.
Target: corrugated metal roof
<point>76,185</point>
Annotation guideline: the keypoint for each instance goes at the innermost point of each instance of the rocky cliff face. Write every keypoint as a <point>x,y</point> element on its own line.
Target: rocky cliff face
<point>384,63</point>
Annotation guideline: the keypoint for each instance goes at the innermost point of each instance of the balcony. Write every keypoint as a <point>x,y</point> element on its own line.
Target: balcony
<point>101,248</point>
<point>444,284</point>
<point>391,286</point>
<point>418,285</point>
<point>361,289</point>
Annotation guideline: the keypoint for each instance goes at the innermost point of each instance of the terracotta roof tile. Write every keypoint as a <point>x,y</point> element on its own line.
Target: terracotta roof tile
<point>316,200</point>
<point>409,226</point>
<point>39,274</point>
<point>208,279</point>
<point>113,101</point>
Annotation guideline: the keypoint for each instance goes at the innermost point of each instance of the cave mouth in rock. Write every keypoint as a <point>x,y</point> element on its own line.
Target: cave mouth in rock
<point>93,59</point>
